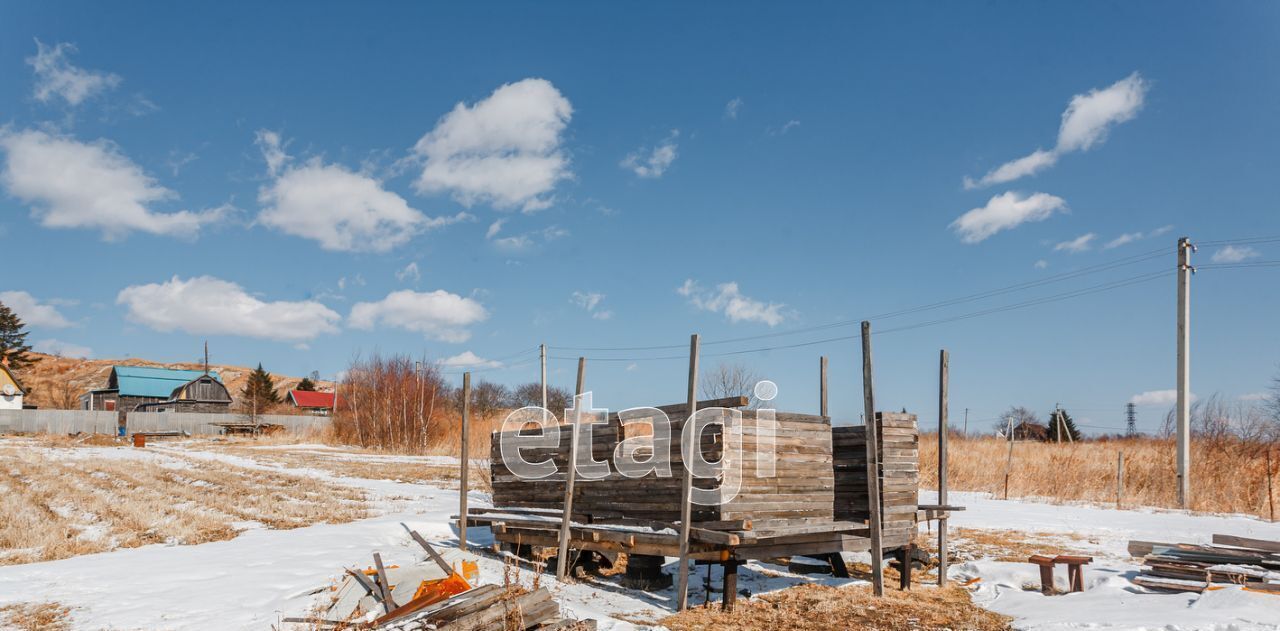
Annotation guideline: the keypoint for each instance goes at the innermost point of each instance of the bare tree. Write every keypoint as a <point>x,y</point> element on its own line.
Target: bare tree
<point>1026,424</point>
<point>1272,402</point>
<point>730,380</point>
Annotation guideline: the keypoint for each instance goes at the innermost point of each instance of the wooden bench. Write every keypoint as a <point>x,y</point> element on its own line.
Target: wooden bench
<point>1075,570</point>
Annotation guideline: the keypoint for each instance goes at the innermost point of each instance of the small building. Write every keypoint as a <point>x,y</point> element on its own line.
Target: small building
<point>11,391</point>
<point>130,387</point>
<point>317,403</point>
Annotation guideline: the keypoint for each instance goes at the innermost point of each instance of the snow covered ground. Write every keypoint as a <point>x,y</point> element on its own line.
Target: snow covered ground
<point>254,580</point>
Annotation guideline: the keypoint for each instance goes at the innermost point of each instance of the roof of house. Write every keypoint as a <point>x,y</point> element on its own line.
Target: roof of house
<point>7,378</point>
<point>307,399</point>
<point>144,381</point>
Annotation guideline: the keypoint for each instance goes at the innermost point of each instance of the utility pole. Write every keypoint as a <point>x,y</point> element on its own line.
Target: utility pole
<point>542,355</point>
<point>1184,370</point>
<point>1057,421</point>
<point>966,422</point>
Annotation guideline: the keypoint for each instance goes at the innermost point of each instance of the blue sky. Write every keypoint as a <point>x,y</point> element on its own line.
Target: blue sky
<point>302,182</point>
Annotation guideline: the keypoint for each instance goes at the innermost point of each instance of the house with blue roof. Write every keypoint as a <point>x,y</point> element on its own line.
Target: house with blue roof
<point>148,389</point>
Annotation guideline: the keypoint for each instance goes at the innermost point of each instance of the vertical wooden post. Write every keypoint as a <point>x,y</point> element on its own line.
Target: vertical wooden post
<point>873,463</point>
<point>1271,500</point>
<point>1008,464</point>
<point>582,371</point>
<point>686,489</point>
<point>822,386</point>
<point>562,558</point>
<point>542,354</point>
<point>466,461</point>
<point>1119,479</point>
<point>944,376</point>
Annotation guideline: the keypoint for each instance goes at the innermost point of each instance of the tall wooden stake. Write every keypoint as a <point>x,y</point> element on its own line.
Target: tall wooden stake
<point>873,463</point>
<point>1119,479</point>
<point>944,370</point>
<point>1184,372</point>
<point>1008,464</point>
<point>686,508</point>
<point>466,461</point>
<point>562,560</point>
<point>822,386</point>
<point>1271,499</point>
<point>542,354</point>
<point>582,372</point>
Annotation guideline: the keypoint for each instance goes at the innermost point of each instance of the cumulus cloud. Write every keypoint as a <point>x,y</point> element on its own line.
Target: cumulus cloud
<point>1234,254</point>
<point>1076,245</point>
<point>1041,264</point>
<point>527,240</point>
<point>338,208</point>
<point>205,305</point>
<point>439,315</point>
<point>1130,237</point>
<point>591,301</point>
<point>786,127</point>
<point>410,272</point>
<point>57,77</point>
<point>1005,211</point>
<point>62,349</point>
<point>34,312</point>
<point>73,184</point>
<point>731,108</point>
<point>468,359</point>
<point>1086,122</point>
<point>653,162</point>
<point>505,150</point>
<point>1158,398</point>
<point>727,299</point>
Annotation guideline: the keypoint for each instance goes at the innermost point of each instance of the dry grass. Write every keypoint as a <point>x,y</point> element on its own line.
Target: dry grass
<point>45,616</point>
<point>820,607</point>
<point>1015,546</point>
<point>1228,476</point>
<point>60,503</point>
<point>367,464</point>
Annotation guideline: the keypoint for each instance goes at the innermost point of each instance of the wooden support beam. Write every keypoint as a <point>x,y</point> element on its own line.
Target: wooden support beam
<point>944,376</point>
<point>873,464</point>
<point>384,586</point>
<point>566,518</point>
<point>431,551</point>
<point>822,386</point>
<point>686,490</point>
<point>366,584</point>
<point>464,487</point>
<point>582,371</point>
<point>730,586</point>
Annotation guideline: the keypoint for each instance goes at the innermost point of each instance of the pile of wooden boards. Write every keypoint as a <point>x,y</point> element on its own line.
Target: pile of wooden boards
<point>493,608</point>
<point>1184,567</point>
<point>899,475</point>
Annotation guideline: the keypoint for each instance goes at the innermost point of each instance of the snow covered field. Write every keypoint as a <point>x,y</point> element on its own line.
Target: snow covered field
<point>261,576</point>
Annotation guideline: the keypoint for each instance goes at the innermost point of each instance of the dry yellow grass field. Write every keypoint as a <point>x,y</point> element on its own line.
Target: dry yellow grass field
<point>60,503</point>
<point>44,616</point>
<point>1227,476</point>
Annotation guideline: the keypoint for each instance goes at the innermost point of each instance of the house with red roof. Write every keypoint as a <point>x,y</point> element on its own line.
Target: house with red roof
<point>318,403</point>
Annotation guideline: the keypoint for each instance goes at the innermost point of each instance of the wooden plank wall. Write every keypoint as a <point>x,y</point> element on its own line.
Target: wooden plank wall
<point>802,488</point>
<point>899,474</point>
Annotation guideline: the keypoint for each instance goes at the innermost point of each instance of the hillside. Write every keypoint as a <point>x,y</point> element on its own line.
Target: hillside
<point>58,382</point>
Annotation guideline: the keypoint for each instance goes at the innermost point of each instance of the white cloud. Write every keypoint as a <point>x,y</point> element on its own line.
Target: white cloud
<point>72,184</point>
<point>494,229</point>
<point>1076,245</point>
<point>1086,122</point>
<point>731,108</point>
<point>1130,237</point>
<point>1158,398</point>
<point>57,77</point>
<point>438,314</point>
<point>410,271</point>
<point>62,349</point>
<point>590,301</point>
<point>729,300</point>
<point>528,240</point>
<point>1005,211</point>
<point>1255,396</point>
<point>468,359</point>
<point>338,208</point>
<point>32,311</point>
<point>205,305</point>
<point>1234,254</point>
<point>1041,264</point>
<point>658,160</point>
<point>505,150</point>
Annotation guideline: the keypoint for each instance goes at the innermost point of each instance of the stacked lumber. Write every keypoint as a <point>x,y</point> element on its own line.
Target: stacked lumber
<point>491,608</point>
<point>899,454</point>
<point>1186,567</point>
<point>801,487</point>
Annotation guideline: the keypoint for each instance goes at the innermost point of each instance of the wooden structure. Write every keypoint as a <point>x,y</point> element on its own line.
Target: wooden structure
<point>11,391</point>
<point>1075,571</point>
<point>814,502</point>
<point>146,388</point>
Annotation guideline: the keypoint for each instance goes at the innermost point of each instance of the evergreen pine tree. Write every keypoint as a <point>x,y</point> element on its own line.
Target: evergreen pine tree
<point>306,385</point>
<point>13,341</point>
<point>259,391</point>
<point>1067,425</point>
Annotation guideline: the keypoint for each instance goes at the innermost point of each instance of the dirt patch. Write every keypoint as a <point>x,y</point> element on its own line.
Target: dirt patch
<point>820,607</point>
<point>46,616</point>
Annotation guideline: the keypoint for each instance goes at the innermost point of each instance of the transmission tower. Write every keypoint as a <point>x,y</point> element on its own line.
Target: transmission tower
<point>1131,418</point>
